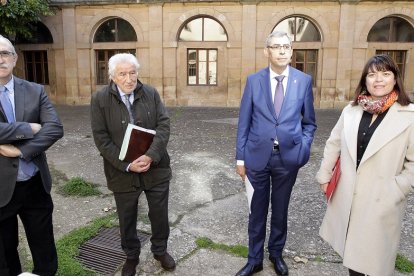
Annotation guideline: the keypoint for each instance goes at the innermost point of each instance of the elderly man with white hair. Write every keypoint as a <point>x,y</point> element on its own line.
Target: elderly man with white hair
<point>126,100</point>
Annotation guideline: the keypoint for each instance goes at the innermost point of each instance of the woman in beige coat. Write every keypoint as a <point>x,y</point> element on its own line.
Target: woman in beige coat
<point>375,138</point>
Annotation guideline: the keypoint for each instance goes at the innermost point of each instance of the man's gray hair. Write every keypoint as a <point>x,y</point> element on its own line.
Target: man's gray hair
<point>276,34</point>
<point>4,40</point>
<point>121,58</point>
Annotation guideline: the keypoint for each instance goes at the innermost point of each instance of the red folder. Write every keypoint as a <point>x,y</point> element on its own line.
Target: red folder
<point>334,179</point>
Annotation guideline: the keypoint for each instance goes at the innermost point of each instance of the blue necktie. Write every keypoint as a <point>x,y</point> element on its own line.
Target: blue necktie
<point>279,95</point>
<point>26,169</point>
<point>6,104</point>
<point>129,107</point>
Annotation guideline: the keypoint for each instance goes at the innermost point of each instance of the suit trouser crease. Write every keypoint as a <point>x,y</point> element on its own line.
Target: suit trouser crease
<point>273,184</point>
<point>34,207</point>
<point>127,209</point>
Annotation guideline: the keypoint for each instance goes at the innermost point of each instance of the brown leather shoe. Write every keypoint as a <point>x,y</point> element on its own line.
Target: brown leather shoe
<point>129,268</point>
<point>167,262</point>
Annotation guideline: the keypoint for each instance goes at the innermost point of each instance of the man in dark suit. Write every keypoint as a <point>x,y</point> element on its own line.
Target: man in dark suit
<point>29,125</point>
<point>126,100</point>
<point>274,136</point>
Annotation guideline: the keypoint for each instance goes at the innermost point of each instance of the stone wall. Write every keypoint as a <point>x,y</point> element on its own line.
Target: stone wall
<point>342,52</point>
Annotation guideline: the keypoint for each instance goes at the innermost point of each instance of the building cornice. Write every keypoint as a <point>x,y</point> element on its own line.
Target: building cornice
<point>115,2</point>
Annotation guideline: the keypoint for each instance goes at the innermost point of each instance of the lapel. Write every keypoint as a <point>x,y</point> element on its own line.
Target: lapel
<point>351,123</point>
<point>291,91</point>
<point>391,126</point>
<point>19,97</point>
<point>3,114</point>
<point>266,88</point>
<point>292,83</point>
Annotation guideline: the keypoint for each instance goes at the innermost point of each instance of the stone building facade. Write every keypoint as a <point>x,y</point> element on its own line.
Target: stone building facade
<point>199,53</point>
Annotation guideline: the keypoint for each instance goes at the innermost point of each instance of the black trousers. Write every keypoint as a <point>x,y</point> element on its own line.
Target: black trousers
<point>34,207</point>
<point>354,273</point>
<point>127,209</point>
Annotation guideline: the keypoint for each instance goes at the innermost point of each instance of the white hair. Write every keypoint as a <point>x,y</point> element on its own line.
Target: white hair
<point>4,40</point>
<point>276,34</point>
<point>121,58</point>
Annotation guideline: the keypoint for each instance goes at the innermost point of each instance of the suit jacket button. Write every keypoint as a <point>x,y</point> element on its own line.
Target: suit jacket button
<point>277,124</point>
<point>14,165</point>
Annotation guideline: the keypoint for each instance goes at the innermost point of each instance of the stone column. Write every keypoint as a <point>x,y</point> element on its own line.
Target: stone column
<point>248,53</point>
<point>345,53</point>
<point>70,55</point>
<point>155,47</point>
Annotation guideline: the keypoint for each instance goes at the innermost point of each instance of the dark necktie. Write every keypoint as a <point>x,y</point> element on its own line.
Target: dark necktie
<point>26,169</point>
<point>129,107</point>
<point>279,95</point>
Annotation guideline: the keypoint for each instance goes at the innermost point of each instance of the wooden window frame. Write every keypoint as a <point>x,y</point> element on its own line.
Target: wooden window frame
<point>306,62</point>
<point>197,66</point>
<point>392,54</point>
<point>31,61</point>
<point>104,62</point>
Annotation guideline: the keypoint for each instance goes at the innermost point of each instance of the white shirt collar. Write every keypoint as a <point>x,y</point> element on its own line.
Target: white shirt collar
<point>273,74</point>
<point>121,93</point>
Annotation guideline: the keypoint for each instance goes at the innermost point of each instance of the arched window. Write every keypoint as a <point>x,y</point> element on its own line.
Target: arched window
<point>40,34</point>
<point>112,30</point>
<point>391,29</point>
<point>115,30</point>
<point>202,62</point>
<point>202,29</point>
<point>299,29</point>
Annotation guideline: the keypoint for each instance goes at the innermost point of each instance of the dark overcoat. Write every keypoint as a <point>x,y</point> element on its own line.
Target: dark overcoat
<point>109,120</point>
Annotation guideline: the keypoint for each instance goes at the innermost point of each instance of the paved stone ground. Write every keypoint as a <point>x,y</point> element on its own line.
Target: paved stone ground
<point>207,198</point>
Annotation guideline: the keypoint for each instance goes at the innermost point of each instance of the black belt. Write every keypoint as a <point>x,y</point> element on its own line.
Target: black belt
<point>275,147</point>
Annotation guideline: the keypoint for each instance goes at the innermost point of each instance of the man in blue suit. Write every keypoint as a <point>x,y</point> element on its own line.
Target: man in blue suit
<point>275,132</point>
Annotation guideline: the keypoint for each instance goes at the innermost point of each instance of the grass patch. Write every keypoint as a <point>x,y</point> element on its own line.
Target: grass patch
<point>68,246</point>
<point>237,250</point>
<point>402,264</point>
<point>77,186</point>
<point>318,259</point>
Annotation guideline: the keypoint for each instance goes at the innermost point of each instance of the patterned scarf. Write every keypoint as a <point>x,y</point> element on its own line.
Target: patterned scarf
<point>372,106</point>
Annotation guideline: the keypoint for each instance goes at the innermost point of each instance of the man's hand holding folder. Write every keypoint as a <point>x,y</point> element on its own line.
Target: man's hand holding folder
<point>141,164</point>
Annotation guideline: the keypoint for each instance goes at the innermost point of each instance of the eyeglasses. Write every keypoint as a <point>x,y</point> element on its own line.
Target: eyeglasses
<point>132,75</point>
<point>6,54</point>
<point>279,47</point>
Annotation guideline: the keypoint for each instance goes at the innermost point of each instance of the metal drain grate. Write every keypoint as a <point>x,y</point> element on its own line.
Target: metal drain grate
<point>103,253</point>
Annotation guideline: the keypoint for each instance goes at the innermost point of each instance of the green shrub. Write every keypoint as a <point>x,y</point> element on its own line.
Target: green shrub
<point>77,186</point>
<point>402,264</point>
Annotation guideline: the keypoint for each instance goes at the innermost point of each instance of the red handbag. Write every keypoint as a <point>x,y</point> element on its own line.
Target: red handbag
<point>334,179</point>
